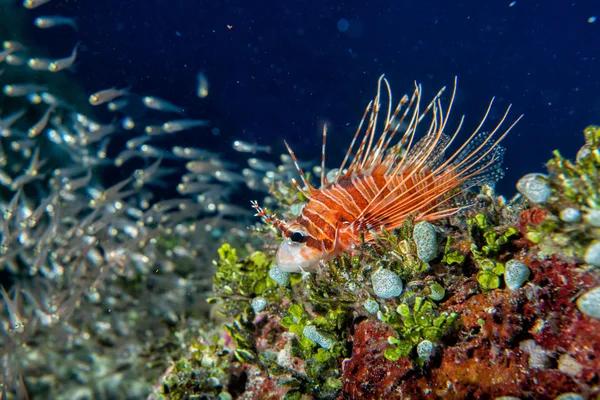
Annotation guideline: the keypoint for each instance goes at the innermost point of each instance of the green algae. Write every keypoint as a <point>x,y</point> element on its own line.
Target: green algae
<point>414,324</point>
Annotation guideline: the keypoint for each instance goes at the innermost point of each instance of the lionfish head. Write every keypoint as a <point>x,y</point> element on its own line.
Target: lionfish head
<point>299,251</point>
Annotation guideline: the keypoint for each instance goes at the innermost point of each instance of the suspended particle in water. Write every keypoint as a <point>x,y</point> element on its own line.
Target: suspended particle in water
<point>343,25</point>
<point>592,19</point>
<point>512,3</point>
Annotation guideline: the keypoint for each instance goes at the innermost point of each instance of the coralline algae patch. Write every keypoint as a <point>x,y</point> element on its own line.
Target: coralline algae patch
<point>488,359</point>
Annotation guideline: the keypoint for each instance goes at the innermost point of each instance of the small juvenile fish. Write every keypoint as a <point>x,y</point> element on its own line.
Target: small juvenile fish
<point>4,54</point>
<point>17,322</point>
<point>228,176</point>
<point>230,210</point>
<point>151,151</point>
<point>23,89</point>
<point>3,158</point>
<point>64,63</point>
<point>36,129</point>
<point>202,85</point>
<point>261,165</point>
<point>39,64</point>
<point>154,130</point>
<point>31,4</point>
<point>183,124</point>
<point>127,155</point>
<point>244,147</point>
<point>87,138</point>
<point>104,96</point>
<point>5,179</point>
<point>137,142</point>
<point>9,120</point>
<point>53,21</point>
<point>15,60</point>
<point>11,209</point>
<point>117,105</point>
<point>24,144</point>
<point>12,45</point>
<point>34,98</point>
<point>157,104</point>
<point>193,153</point>
<point>127,123</point>
<point>201,167</point>
<point>52,100</point>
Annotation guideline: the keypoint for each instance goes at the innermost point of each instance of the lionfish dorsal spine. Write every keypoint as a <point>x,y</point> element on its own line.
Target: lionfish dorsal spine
<point>309,188</point>
<point>431,178</point>
<point>323,146</point>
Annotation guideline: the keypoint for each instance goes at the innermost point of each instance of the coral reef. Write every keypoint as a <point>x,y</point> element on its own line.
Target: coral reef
<point>108,293</point>
<point>474,306</point>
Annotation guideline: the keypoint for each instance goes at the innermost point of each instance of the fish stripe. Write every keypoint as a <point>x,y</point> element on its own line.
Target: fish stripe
<point>349,199</point>
<point>364,189</point>
<point>321,224</point>
<point>328,196</point>
<point>357,193</point>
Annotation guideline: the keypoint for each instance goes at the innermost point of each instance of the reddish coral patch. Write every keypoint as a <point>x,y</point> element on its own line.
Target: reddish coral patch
<point>368,374</point>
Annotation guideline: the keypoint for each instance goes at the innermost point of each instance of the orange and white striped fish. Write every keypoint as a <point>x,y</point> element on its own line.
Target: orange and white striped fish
<point>383,185</point>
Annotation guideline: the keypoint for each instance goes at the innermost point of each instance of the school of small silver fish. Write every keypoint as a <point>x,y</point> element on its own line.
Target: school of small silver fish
<point>67,238</point>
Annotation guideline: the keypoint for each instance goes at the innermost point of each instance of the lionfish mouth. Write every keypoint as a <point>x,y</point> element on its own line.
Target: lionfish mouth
<point>381,184</point>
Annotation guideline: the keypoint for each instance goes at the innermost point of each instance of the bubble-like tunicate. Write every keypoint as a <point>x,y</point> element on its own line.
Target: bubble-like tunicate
<point>534,187</point>
<point>425,238</point>
<point>515,274</point>
<point>259,304</point>
<point>589,303</point>
<point>425,349</point>
<point>371,306</point>
<point>386,284</point>
<point>570,396</point>
<point>592,254</point>
<point>311,333</point>
<point>570,214</point>
<point>279,276</point>
<point>592,217</point>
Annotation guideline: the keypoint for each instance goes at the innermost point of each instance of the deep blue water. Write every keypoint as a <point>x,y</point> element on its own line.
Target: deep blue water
<point>280,69</point>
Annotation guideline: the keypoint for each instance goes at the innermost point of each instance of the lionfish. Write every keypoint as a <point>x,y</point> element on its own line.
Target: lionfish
<point>383,185</point>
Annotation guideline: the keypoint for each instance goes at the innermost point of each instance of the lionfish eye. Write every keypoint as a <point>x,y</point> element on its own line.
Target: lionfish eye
<point>297,237</point>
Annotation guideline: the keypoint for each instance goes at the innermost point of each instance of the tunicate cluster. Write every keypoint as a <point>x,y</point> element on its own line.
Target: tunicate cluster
<point>425,238</point>
<point>515,274</point>
<point>311,333</point>
<point>534,187</point>
<point>386,284</point>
